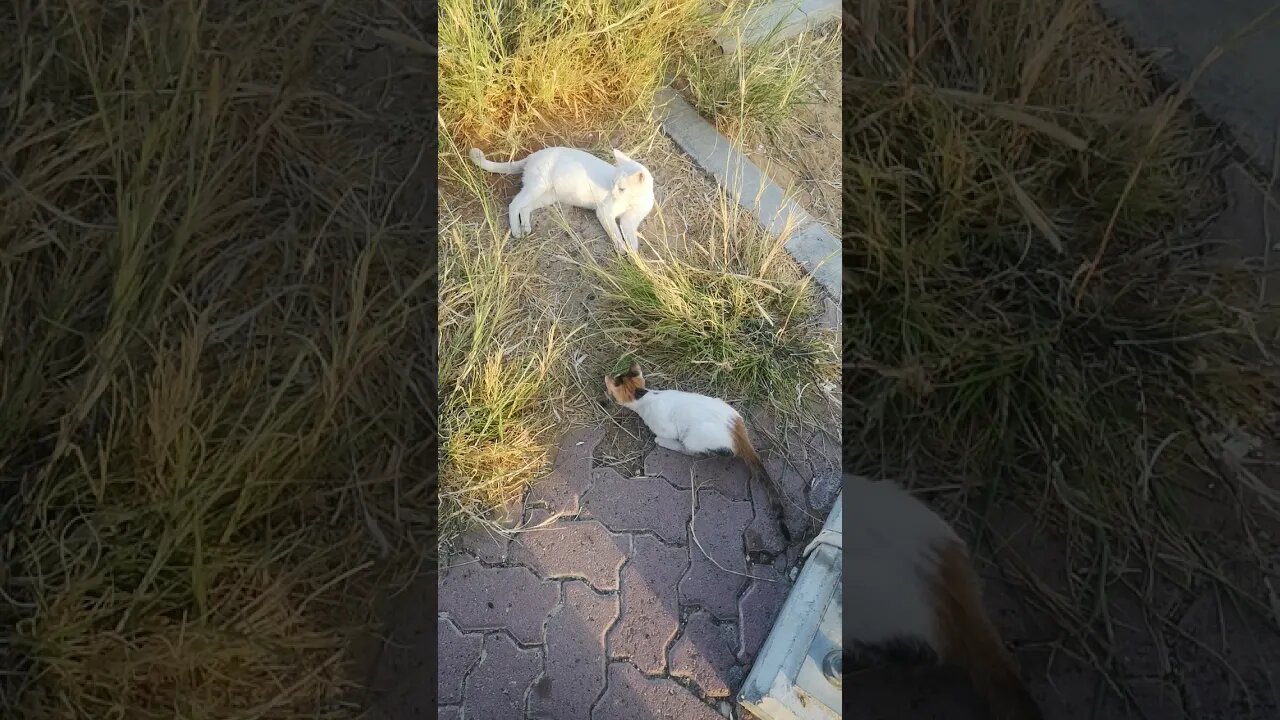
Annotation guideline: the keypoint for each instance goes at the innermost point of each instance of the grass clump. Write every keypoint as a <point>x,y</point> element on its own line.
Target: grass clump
<point>212,365</point>
<point>512,68</point>
<point>501,370</point>
<point>1030,305</point>
<point>754,90</point>
<point>732,313</point>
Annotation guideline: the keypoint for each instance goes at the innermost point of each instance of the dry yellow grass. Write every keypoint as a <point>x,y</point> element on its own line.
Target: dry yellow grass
<point>213,365</point>
<point>1032,310</point>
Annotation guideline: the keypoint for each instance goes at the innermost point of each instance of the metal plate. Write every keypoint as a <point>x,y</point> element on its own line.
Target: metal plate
<point>787,681</point>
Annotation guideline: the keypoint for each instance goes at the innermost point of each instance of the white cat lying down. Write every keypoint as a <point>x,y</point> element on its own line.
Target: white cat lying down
<point>621,196</point>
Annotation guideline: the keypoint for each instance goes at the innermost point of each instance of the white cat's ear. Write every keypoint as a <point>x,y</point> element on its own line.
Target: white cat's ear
<point>620,156</point>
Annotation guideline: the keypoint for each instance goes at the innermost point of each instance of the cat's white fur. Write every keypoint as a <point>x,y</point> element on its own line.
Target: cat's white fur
<point>889,536</point>
<point>687,422</point>
<point>694,424</point>
<point>621,196</point>
<point>910,579</point>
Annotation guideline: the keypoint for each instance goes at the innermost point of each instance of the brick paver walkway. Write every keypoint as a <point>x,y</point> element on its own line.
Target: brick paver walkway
<point>614,612</point>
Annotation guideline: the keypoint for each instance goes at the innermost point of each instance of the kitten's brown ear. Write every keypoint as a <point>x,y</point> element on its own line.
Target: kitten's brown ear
<point>635,370</point>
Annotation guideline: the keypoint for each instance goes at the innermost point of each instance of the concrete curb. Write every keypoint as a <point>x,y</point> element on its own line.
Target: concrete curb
<point>814,246</point>
<point>794,16</point>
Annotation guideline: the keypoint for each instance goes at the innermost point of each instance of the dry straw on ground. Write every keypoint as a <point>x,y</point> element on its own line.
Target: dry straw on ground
<point>212,323</point>
<point>1032,310</point>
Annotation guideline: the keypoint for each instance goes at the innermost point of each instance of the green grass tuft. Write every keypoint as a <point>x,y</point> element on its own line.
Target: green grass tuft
<point>213,365</point>
<point>1030,306</point>
<point>513,69</point>
<point>755,89</point>
<point>732,314</point>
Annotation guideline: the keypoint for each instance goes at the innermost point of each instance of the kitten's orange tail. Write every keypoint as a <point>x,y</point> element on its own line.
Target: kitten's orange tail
<point>970,641</point>
<point>742,448</point>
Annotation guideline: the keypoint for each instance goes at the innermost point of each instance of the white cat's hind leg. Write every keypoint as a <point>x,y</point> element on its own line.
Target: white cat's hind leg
<point>522,207</point>
<point>518,216</point>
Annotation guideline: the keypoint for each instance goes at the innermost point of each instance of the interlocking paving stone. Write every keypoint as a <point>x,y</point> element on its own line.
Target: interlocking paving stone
<point>410,637</point>
<point>792,482</point>
<point>575,654</point>
<point>413,698</point>
<point>719,526</point>
<point>457,654</point>
<point>669,464</point>
<point>495,690</point>
<point>704,654</point>
<point>823,490</point>
<point>487,545</point>
<point>573,549</point>
<point>727,475</point>
<point>487,598</point>
<point>758,608</point>
<point>632,696</point>
<point>561,490</point>
<point>650,614</point>
<point>638,504</point>
<point>448,713</point>
<point>762,534</point>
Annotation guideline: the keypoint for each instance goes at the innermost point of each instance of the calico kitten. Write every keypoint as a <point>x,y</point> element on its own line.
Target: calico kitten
<point>693,424</point>
<point>621,196</point>
<point>910,583</point>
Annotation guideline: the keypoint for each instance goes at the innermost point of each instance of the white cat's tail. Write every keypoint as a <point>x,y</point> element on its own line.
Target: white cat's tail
<point>507,168</point>
<point>742,448</point>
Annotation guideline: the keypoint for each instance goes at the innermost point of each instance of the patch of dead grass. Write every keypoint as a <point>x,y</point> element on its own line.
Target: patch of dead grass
<point>213,365</point>
<point>1030,308</point>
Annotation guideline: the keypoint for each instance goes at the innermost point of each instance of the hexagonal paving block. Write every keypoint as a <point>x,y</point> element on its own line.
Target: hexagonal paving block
<point>704,654</point>
<point>457,653</point>
<point>638,504</point>
<point>650,613</point>
<point>572,549</point>
<point>477,597</point>
<point>575,656</point>
<point>719,526</point>
<point>792,483</point>
<point>562,489</point>
<point>728,476</point>
<point>488,545</point>
<point>632,696</point>
<point>495,690</point>
<point>669,464</point>
<point>758,609</point>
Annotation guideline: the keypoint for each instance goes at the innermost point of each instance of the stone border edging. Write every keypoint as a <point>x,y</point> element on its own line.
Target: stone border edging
<point>794,16</point>
<point>812,245</point>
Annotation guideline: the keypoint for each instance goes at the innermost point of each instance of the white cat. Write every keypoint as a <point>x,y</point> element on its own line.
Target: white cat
<point>914,585</point>
<point>693,424</point>
<point>621,196</point>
